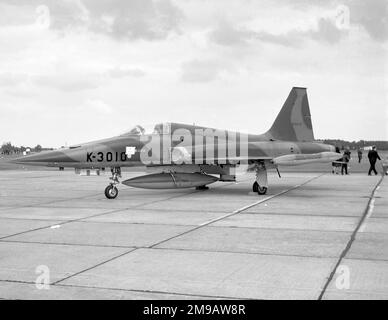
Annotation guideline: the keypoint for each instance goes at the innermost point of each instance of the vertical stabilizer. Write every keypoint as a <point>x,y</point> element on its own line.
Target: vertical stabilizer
<point>293,123</point>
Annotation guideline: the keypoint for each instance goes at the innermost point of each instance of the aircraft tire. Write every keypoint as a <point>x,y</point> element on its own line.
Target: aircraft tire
<point>111,192</point>
<point>257,189</point>
<point>262,190</point>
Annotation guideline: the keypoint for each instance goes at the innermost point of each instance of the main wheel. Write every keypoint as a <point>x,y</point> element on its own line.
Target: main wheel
<point>262,190</point>
<point>111,192</point>
<point>258,189</point>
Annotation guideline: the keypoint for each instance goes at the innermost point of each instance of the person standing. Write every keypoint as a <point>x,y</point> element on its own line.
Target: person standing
<point>345,160</point>
<point>359,153</point>
<point>373,156</point>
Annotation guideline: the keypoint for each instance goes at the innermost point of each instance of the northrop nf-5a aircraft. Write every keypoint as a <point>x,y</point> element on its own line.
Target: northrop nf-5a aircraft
<point>189,156</point>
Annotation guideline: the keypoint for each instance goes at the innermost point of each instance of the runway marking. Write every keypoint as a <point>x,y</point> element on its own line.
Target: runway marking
<point>351,240</point>
<point>369,214</point>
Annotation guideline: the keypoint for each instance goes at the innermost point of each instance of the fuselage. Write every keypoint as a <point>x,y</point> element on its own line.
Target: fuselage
<point>129,150</point>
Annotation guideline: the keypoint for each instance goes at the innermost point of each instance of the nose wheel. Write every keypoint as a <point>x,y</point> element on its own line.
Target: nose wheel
<point>111,191</point>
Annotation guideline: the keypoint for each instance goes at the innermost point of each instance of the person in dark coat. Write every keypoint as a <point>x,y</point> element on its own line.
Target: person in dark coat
<point>345,159</point>
<point>373,156</point>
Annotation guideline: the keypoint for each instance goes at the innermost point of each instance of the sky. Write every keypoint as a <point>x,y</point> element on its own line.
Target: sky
<point>73,71</point>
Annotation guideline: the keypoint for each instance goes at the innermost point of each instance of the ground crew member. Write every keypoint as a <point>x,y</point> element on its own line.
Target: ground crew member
<point>345,159</point>
<point>373,156</point>
<point>359,153</point>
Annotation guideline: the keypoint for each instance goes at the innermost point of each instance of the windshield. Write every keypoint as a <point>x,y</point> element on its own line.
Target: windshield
<point>139,130</point>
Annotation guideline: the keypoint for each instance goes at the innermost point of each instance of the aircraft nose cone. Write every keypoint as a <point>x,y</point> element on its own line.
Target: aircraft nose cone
<point>42,158</point>
<point>29,159</point>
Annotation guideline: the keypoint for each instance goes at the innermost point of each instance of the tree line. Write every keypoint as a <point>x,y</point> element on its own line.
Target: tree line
<point>380,145</point>
<point>8,148</point>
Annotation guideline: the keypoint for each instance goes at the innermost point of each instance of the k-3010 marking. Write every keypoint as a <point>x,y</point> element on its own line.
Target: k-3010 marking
<point>106,156</point>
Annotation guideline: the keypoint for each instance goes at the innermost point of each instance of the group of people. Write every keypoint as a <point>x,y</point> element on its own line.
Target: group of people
<point>342,162</point>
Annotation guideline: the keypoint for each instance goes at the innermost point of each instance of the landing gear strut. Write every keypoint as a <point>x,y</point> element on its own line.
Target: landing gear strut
<point>111,190</point>
<point>260,186</point>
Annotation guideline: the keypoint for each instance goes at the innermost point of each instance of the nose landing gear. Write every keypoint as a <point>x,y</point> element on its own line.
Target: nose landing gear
<point>111,191</point>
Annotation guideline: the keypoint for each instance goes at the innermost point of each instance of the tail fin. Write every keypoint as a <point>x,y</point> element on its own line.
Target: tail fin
<point>293,123</point>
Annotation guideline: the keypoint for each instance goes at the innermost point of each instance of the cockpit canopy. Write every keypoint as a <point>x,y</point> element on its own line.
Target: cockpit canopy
<point>140,130</point>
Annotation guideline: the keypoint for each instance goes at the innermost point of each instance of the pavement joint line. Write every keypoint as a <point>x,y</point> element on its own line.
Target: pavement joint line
<point>154,292</point>
<point>125,290</point>
<point>95,266</point>
<point>380,218</point>
<point>17,281</point>
<point>200,226</point>
<point>295,215</point>
<point>139,223</point>
<point>146,204</point>
<point>242,253</point>
<point>275,195</point>
<point>350,242</point>
<point>165,240</point>
<point>70,244</point>
<point>92,216</point>
<point>368,259</point>
<point>52,202</point>
<point>92,267</point>
<point>171,248</point>
<point>282,229</point>
<point>29,219</point>
<point>236,211</point>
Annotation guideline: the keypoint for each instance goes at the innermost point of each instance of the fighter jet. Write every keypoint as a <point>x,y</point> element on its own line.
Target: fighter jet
<point>190,156</point>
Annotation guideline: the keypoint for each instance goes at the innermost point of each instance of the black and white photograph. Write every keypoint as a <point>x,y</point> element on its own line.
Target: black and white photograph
<point>193,150</point>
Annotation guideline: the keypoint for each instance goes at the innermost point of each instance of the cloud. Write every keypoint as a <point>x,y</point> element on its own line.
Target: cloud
<point>12,79</point>
<point>68,82</point>
<point>97,105</point>
<point>372,15</point>
<point>226,34</point>
<point>327,31</point>
<point>201,70</point>
<point>120,19</point>
<point>71,80</point>
<point>121,72</point>
<point>136,19</point>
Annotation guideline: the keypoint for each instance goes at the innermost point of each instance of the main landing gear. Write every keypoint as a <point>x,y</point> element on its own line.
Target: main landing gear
<point>260,186</point>
<point>111,190</point>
